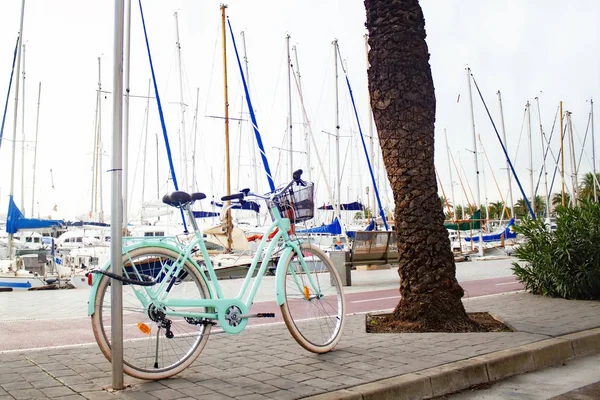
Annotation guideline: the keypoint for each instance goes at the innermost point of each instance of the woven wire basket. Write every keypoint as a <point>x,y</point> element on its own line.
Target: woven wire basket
<point>297,203</point>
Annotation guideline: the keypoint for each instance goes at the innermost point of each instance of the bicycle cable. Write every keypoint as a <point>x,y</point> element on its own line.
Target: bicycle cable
<point>146,279</point>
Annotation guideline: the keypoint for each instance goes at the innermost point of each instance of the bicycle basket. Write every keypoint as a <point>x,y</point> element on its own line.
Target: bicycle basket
<point>296,203</point>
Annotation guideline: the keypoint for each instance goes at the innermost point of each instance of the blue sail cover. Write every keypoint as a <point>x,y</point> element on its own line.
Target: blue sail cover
<point>335,228</point>
<point>354,206</point>
<point>205,214</point>
<point>508,233</point>
<point>15,220</point>
<point>245,205</point>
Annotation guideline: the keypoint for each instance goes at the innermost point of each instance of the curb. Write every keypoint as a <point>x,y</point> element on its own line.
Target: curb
<point>459,375</point>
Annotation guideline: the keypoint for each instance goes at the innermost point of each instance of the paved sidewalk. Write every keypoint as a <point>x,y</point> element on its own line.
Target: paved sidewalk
<point>363,366</point>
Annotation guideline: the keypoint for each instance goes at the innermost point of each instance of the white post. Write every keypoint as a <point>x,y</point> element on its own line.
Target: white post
<point>252,136</point>
<point>306,132</point>
<point>574,180</point>
<point>371,133</point>
<point>478,199</point>
<point>116,244</point>
<point>455,217</point>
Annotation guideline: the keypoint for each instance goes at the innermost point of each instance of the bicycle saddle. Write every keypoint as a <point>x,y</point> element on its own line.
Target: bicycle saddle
<point>180,198</point>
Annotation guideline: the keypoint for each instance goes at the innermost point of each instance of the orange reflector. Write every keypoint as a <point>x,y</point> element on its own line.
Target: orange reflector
<point>306,292</point>
<point>143,328</point>
<point>89,278</point>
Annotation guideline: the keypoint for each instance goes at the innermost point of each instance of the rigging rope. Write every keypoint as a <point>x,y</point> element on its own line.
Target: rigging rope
<point>259,142</point>
<point>504,148</point>
<point>381,212</point>
<point>12,71</point>
<point>160,112</point>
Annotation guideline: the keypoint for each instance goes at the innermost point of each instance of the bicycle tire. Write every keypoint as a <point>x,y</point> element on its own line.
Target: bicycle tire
<point>316,323</point>
<point>147,351</point>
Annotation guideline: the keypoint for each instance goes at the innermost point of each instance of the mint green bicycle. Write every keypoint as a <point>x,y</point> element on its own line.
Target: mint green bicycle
<point>172,297</point>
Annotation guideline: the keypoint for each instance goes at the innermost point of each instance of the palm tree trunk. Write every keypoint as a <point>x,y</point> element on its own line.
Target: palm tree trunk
<point>403,103</point>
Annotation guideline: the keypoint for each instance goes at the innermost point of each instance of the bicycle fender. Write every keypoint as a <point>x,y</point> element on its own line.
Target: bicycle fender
<point>106,266</point>
<point>280,275</point>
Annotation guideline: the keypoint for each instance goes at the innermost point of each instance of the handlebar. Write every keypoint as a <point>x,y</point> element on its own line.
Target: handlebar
<point>296,178</point>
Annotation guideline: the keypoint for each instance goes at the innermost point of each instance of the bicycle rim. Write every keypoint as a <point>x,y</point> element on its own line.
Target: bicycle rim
<point>314,315</point>
<point>147,351</point>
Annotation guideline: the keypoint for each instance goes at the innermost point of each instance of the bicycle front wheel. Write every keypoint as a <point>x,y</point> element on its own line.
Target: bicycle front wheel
<point>155,345</point>
<point>314,305</point>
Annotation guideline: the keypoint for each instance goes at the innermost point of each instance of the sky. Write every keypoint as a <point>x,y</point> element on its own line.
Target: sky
<point>538,51</point>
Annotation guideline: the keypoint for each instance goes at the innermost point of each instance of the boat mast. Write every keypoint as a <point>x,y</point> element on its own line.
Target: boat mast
<point>478,199</point>
<point>371,135</point>
<point>337,135</point>
<point>528,109</point>
<point>306,132</point>
<point>544,171</point>
<point>15,114</point>
<point>593,151</point>
<point>23,137</point>
<point>146,117</point>
<point>574,179</point>
<point>37,120</point>
<point>229,226</point>
<point>451,182</point>
<point>510,194</point>
<point>254,145</point>
<point>183,145</point>
<point>562,155</point>
<point>193,184</point>
<point>289,71</point>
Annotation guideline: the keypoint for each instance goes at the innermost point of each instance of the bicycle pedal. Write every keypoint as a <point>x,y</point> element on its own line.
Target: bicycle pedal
<point>265,315</point>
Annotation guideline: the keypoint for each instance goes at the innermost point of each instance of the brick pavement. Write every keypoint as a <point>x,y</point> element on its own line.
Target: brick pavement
<point>264,362</point>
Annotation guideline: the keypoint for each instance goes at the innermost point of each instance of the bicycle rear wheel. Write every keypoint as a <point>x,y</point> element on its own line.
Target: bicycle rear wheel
<point>314,315</point>
<point>155,346</point>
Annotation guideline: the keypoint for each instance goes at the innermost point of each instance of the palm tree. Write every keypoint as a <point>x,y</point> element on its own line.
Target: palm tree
<point>557,199</point>
<point>498,208</point>
<point>521,209</point>
<point>403,103</point>
<point>586,188</point>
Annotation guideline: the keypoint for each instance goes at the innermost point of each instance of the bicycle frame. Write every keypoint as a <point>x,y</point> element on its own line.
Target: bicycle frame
<point>156,294</point>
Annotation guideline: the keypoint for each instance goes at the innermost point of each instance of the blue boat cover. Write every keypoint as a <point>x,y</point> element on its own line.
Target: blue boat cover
<point>15,220</point>
<point>354,206</point>
<point>508,233</point>
<point>244,205</point>
<point>335,228</point>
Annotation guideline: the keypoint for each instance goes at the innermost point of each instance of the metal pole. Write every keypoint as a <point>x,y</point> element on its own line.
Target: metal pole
<point>15,114</point>
<point>478,199</point>
<point>126,71</point>
<point>116,245</point>
<point>454,216</point>
<point>37,124</point>
<point>337,135</point>
<point>510,194</point>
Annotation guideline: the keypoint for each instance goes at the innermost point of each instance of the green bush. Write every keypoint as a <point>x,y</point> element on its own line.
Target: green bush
<point>564,262</point>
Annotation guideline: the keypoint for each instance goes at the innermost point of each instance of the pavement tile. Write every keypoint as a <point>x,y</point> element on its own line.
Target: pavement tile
<point>362,364</point>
